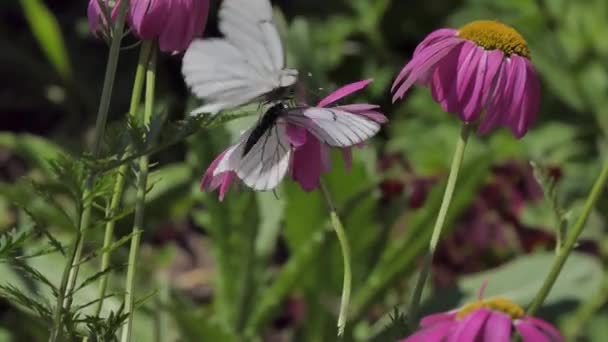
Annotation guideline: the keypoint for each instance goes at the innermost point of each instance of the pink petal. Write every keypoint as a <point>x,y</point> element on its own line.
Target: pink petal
<point>434,37</point>
<point>420,65</point>
<point>470,327</point>
<point>227,179</point>
<point>530,333</point>
<point>433,319</point>
<point>495,60</point>
<point>465,81</point>
<point>296,135</point>
<point>514,110</point>
<point>494,108</point>
<point>530,105</point>
<point>343,92</point>
<point>443,85</point>
<point>546,327</point>
<point>436,333</point>
<point>473,104</point>
<point>309,162</point>
<point>208,176</point>
<point>374,115</point>
<point>497,328</point>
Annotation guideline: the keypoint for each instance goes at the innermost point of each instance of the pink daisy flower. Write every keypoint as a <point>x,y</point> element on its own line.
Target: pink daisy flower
<point>481,72</point>
<point>310,156</point>
<point>489,320</point>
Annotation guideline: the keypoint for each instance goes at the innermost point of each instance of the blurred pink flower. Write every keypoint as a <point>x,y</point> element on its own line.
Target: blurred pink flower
<point>489,320</point>
<point>311,157</point>
<point>175,23</point>
<point>480,71</point>
<point>97,20</point>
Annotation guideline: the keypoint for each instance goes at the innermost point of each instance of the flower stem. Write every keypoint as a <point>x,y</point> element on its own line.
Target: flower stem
<point>142,188</point>
<point>117,193</point>
<point>443,210</point>
<point>70,272</point>
<point>342,238</point>
<point>570,241</point>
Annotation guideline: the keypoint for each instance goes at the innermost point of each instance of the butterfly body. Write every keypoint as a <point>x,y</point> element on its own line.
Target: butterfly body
<point>267,122</point>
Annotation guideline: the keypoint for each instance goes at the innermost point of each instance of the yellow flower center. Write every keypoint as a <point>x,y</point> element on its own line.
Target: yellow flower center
<point>495,304</point>
<point>492,35</point>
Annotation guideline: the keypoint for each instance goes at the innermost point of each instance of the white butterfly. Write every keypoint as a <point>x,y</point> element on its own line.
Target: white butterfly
<point>248,64</point>
<point>263,154</point>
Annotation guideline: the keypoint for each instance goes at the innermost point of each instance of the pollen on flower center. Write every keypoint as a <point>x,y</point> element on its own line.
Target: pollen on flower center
<point>492,35</point>
<point>495,304</point>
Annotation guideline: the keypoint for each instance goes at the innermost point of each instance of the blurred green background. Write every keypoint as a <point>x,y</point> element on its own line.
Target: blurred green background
<point>264,268</point>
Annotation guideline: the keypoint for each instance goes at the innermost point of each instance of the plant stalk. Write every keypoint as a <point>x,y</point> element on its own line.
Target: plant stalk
<point>570,241</point>
<point>119,184</point>
<point>142,188</point>
<point>70,271</point>
<point>443,210</point>
<point>345,248</point>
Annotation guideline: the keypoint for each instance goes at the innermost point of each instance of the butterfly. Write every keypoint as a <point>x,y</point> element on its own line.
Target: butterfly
<point>247,65</point>
<point>263,154</point>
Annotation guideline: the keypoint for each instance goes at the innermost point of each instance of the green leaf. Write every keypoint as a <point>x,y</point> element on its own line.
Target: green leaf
<point>37,150</point>
<point>520,279</point>
<point>47,32</point>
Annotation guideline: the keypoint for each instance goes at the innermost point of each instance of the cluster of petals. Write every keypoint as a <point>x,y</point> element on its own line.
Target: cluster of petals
<point>311,157</point>
<point>473,82</point>
<point>173,23</point>
<point>483,325</point>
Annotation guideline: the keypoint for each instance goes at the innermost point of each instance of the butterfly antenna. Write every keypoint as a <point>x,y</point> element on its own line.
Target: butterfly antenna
<point>276,195</point>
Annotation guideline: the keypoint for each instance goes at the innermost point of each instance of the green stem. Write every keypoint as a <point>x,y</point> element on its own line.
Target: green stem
<point>443,210</point>
<point>70,271</point>
<point>343,239</point>
<point>570,241</point>
<point>117,193</point>
<point>140,205</point>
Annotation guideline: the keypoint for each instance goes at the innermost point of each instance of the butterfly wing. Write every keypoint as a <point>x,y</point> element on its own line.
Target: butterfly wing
<point>244,66</point>
<point>265,165</point>
<point>333,126</point>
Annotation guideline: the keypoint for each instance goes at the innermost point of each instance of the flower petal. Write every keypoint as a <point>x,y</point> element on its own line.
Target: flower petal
<point>433,319</point>
<point>309,162</point>
<point>296,135</point>
<point>434,37</point>
<point>529,333</point>
<point>546,327</point>
<point>420,65</point>
<point>497,328</point>
<point>343,92</point>
<point>470,327</point>
<point>436,333</point>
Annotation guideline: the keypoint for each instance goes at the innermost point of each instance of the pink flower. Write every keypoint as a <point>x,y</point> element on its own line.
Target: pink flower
<point>311,157</point>
<point>175,23</point>
<point>481,71</point>
<point>97,19</point>
<point>308,156</point>
<point>490,320</point>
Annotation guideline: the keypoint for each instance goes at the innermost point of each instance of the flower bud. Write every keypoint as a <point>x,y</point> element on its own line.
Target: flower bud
<point>174,23</point>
